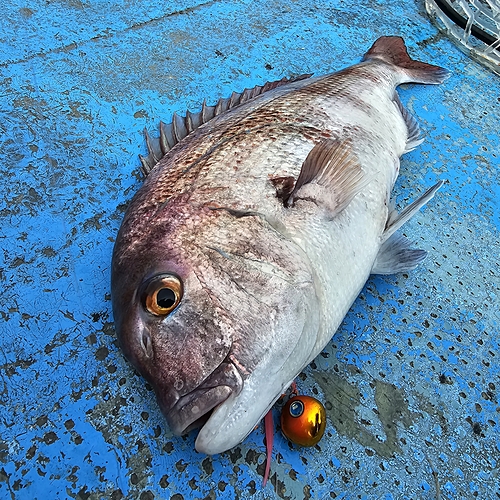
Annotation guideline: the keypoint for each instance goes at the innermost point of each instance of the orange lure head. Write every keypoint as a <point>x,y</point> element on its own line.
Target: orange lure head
<point>303,420</point>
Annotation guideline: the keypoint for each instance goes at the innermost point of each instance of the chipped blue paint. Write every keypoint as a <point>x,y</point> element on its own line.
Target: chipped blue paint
<point>411,380</point>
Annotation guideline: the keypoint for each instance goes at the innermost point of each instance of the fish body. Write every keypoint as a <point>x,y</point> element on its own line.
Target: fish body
<point>255,230</point>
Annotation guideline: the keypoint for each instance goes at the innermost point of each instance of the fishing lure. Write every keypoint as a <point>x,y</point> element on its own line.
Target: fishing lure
<point>303,420</point>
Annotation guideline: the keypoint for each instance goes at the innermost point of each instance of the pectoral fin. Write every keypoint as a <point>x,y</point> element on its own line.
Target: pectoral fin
<point>331,176</point>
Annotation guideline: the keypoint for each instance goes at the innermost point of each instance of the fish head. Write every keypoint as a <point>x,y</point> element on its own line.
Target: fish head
<point>215,311</point>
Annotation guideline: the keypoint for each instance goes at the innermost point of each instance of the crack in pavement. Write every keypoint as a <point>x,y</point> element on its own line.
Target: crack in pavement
<point>109,34</point>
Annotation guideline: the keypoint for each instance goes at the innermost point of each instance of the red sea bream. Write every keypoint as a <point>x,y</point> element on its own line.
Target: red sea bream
<point>257,226</point>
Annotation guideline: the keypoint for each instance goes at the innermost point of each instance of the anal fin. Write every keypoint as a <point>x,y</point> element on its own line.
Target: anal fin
<point>396,256</point>
<point>331,177</point>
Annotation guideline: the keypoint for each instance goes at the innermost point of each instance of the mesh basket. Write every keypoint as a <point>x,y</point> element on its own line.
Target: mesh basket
<point>473,24</point>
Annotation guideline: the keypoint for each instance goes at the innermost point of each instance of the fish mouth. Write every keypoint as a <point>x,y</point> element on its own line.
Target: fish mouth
<point>194,409</point>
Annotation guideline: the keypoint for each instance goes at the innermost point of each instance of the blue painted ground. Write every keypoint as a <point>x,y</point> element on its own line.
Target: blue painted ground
<point>411,380</point>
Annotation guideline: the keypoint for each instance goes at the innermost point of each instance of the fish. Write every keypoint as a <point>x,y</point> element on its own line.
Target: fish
<point>259,222</point>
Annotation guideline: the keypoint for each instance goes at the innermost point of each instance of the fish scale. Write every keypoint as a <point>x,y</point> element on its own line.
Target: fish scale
<point>257,226</point>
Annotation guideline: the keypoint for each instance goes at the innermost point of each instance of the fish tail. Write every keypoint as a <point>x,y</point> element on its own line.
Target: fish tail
<point>392,50</point>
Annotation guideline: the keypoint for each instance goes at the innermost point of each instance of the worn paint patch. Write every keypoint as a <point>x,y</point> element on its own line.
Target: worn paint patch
<point>342,400</point>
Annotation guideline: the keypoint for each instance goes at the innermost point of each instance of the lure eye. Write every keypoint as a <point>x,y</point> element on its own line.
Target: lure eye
<point>296,408</point>
<point>303,420</point>
<point>162,294</point>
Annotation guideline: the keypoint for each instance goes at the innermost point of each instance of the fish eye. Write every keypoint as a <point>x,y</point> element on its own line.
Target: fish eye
<point>162,294</point>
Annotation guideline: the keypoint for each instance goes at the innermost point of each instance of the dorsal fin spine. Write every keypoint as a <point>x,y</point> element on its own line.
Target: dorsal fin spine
<point>163,139</point>
<point>150,147</point>
<point>175,130</point>
<point>189,121</point>
<point>203,110</point>
<point>234,100</point>
<point>218,107</point>
<point>182,126</point>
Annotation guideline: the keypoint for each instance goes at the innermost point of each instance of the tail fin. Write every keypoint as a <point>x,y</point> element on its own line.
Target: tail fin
<point>392,50</point>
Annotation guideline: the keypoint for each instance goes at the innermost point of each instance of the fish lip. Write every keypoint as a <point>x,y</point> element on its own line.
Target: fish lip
<point>190,415</point>
<point>192,410</point>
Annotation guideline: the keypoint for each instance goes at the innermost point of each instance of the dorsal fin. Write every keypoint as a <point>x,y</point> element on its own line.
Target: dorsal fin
<point>182,126</point>
<point>414,139</point>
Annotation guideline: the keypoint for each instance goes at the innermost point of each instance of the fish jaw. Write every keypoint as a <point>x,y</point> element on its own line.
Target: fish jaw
<point>192,409</point>
<point>234,419</point>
